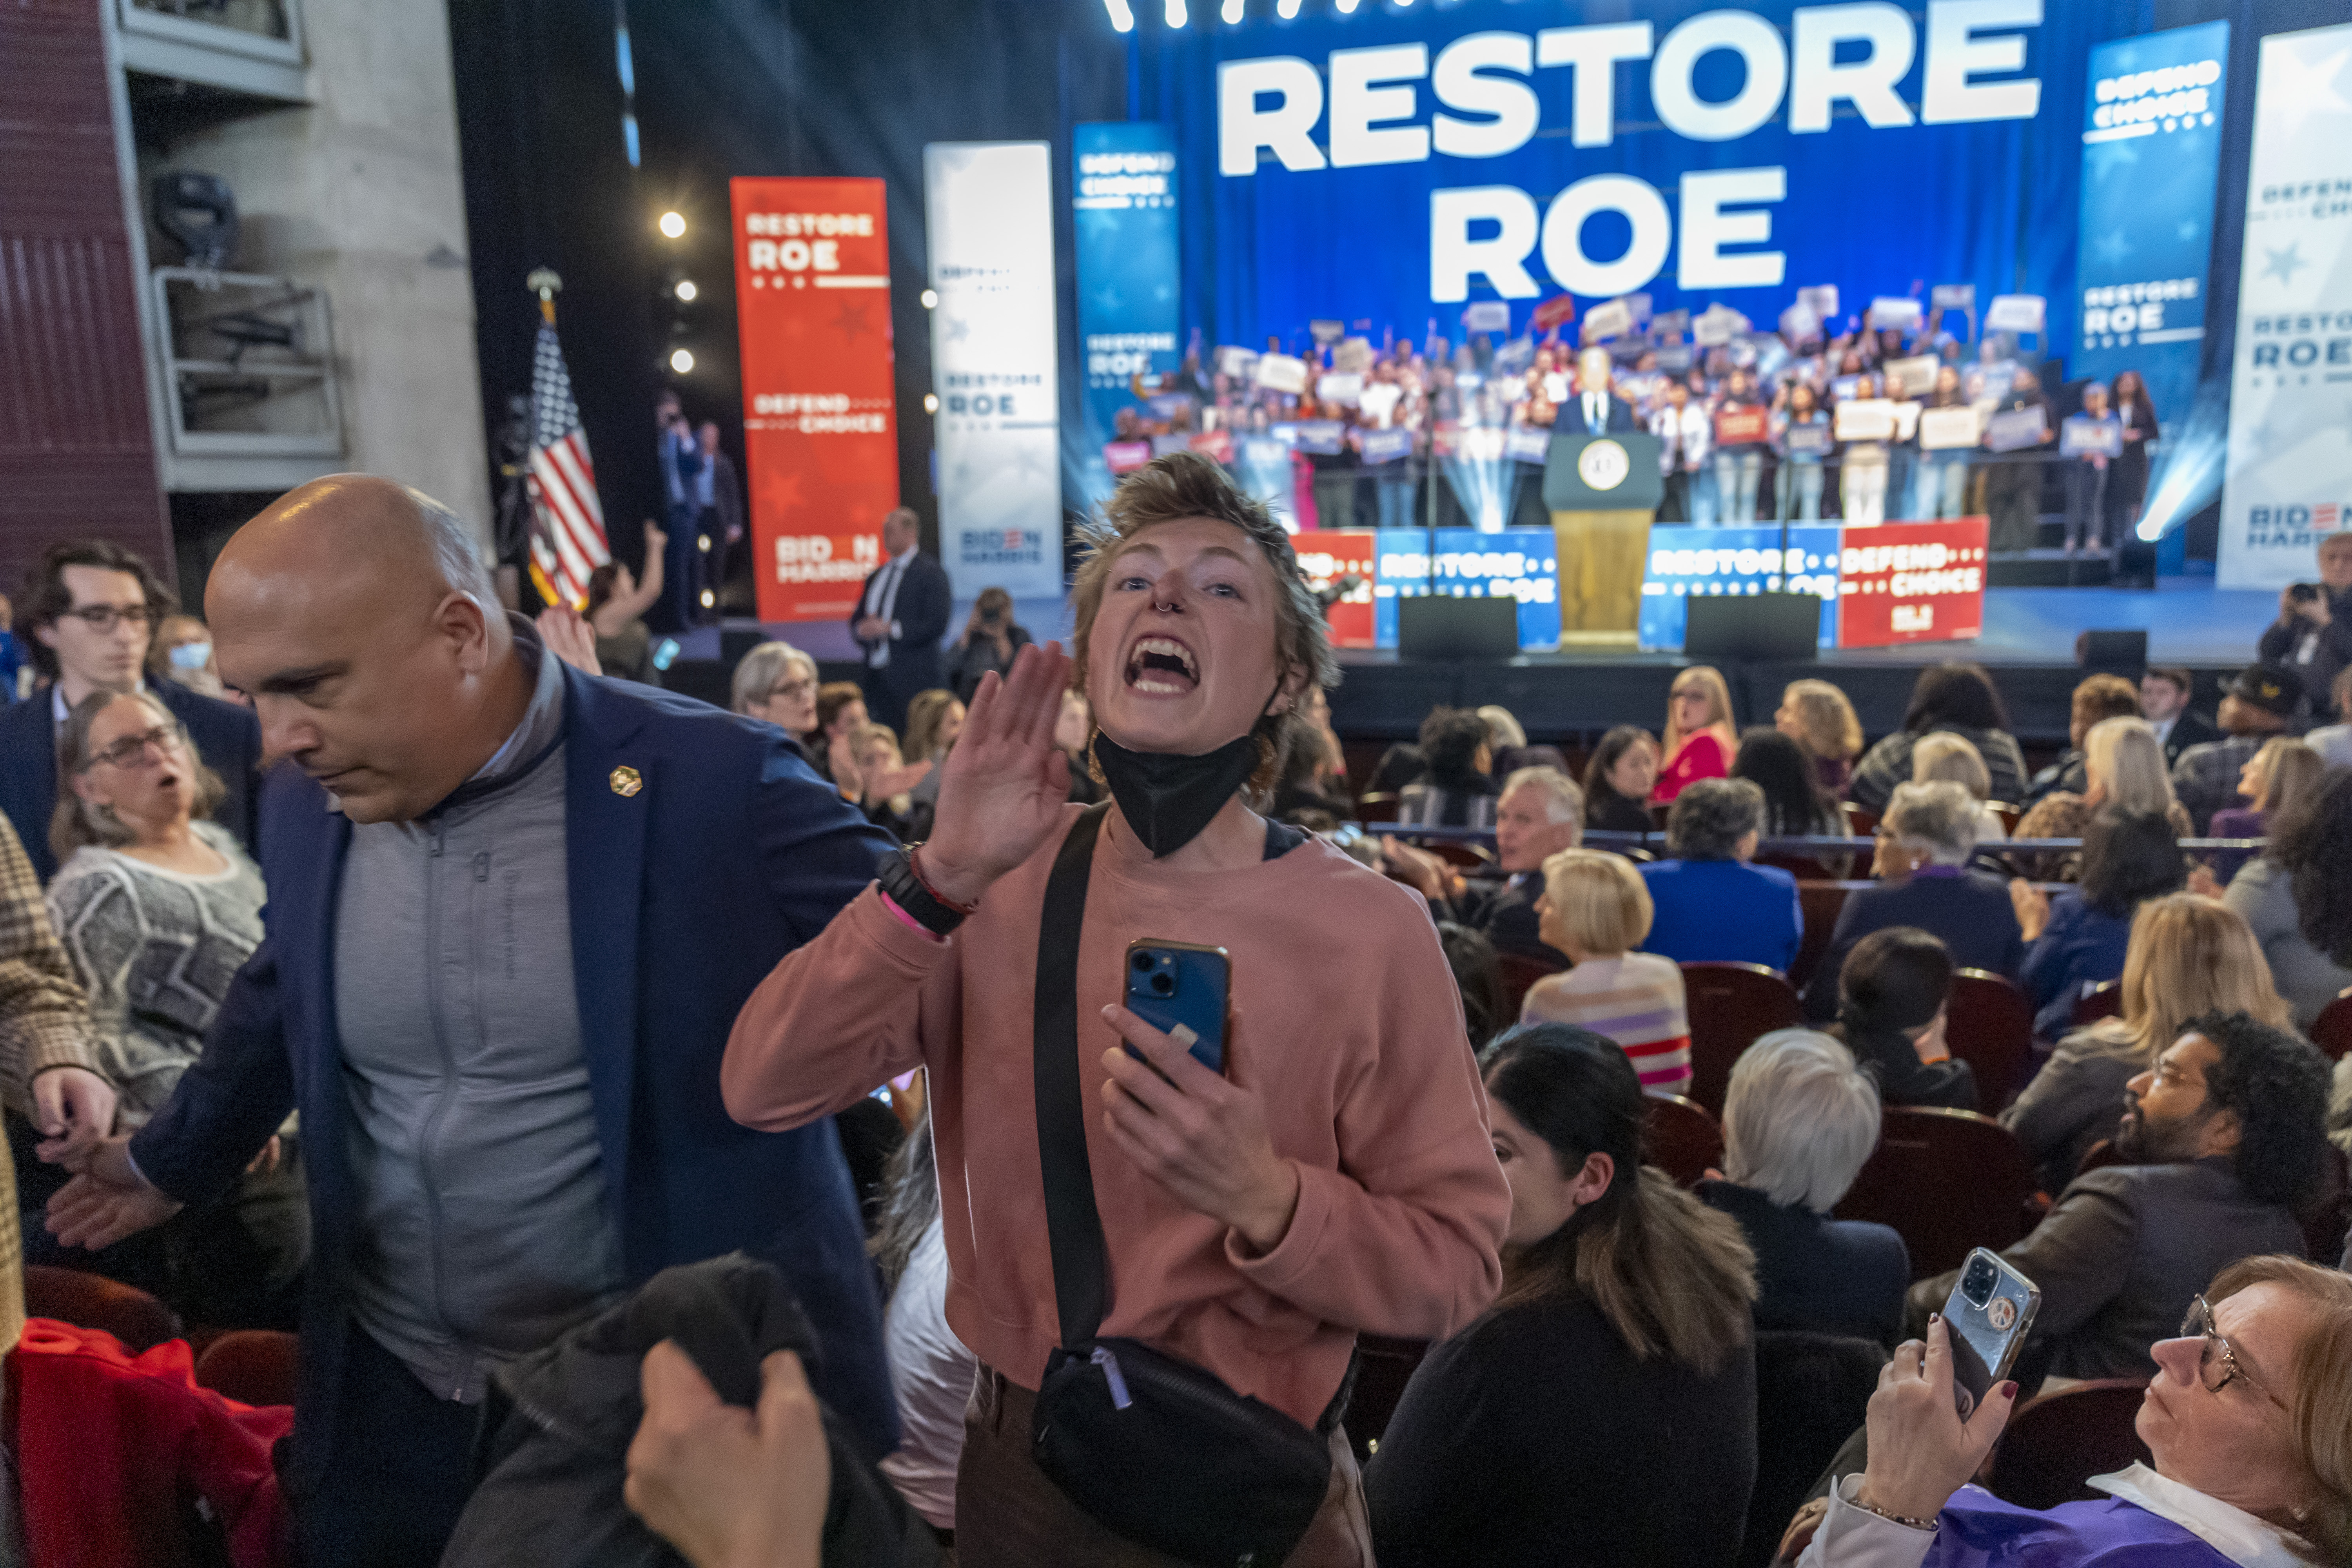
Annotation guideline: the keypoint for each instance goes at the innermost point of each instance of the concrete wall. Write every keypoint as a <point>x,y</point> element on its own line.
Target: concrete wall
<point>360,194</point>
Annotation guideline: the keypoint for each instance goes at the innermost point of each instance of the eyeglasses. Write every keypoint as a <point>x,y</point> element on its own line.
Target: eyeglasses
<point>2199,1325</point>
<point>131,750</point>
<point>790,688</point>
<point>104,619</point>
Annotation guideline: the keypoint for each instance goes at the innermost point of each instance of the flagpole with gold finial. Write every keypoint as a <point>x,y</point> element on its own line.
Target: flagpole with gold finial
<point>546,283</point>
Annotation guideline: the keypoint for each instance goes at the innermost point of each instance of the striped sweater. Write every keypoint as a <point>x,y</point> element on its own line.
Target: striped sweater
<point>1635,999</point>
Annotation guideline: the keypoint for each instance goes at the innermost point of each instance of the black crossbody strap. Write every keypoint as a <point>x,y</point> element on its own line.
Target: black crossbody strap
<point>1073,1224</point>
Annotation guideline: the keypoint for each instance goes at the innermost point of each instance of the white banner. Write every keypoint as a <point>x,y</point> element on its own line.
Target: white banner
<point>989,210</point>
<point>2289,478</point>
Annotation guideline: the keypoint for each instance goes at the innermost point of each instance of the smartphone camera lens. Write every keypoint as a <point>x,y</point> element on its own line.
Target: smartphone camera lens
<point>1143,961</point>
<point>1977,1282</point>
<point>1163,984</point>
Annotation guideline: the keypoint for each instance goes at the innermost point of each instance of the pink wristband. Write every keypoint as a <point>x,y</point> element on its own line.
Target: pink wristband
<point>909,920</point>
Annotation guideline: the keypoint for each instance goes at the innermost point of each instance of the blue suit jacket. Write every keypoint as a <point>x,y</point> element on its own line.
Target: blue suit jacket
<point>1724,911</point>
<point>227,738</point>
<point>684,896</point>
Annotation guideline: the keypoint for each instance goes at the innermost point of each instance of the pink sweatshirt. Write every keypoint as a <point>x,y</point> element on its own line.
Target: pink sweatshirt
<point>1354,1042</point>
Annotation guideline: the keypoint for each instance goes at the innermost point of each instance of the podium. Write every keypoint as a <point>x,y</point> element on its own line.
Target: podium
<point>1601,492</point>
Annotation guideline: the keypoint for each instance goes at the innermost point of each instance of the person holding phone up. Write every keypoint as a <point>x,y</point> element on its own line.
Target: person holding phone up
<point>1336,1177</point>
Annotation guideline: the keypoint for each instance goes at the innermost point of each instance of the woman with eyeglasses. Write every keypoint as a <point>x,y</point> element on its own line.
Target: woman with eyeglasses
<point>776,683</point>
<point>2244,1419</point>
<point>158,907</point>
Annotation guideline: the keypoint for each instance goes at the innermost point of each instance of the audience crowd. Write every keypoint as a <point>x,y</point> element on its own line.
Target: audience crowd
<point>799,1094</point>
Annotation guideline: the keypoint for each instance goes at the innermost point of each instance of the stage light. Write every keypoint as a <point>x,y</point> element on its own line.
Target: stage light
<point>930,299</point>
<point>708,598</point>
<point>685,289</point>
<point>2189,476</point>
<point>1122,20</point>
<point>1232,12</point>
<point>673,224</point>
<point>930,402</point>
<point>681,360</point>
<point>1346,8</point>
<point>1287,10</point>
<point>1176,15</point>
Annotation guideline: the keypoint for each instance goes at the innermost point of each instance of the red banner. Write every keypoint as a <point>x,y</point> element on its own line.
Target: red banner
<point>1327,555</point>
<point>1739,426</point>
<point>1918,582</point>
<point>820,431</point>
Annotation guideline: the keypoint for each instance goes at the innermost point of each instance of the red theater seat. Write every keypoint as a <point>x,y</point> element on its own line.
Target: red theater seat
<point>93,1301</point>
<point>1820,904</point>
<point>1991,1029</point>
<point>1520,974</point>
<point>2056,1442</point>
<point>1681,1138</point>
<point>2103,1001</point>
<point>2332,1030</point>
<point>1947,1181</point>
<point>1376,808</point>
<point>1729,1005</point>
<point>252,1366</point>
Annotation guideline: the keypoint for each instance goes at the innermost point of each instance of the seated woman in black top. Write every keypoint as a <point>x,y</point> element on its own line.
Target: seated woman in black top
<point>1890,1015</point>
<point>1795,804</point>
<point>1603,1411</point>
<point>1799,1121</point>
<point>1619,779</point>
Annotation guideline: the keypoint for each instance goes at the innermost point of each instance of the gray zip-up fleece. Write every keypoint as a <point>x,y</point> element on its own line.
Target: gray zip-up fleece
<point>483,1233</point>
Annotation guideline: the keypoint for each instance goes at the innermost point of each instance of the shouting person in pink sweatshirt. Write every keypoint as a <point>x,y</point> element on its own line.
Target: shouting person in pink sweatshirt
<point>1162,1359</point>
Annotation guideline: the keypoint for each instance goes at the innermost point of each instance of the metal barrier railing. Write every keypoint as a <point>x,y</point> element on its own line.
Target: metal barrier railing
<point>1807,844</point>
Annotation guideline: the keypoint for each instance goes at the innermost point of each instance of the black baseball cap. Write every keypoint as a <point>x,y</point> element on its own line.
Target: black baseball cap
<point>2268,686</point>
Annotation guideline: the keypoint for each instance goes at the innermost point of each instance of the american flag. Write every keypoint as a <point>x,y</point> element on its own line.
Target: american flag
<point>567,533</point>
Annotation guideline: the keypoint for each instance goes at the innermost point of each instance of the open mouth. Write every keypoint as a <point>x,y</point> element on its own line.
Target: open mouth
<point>1161,666</point>
<point>168,780</point>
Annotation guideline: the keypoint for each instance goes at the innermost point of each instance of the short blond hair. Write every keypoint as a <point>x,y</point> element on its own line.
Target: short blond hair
<point>2318,1385</point>
<point>1946,758</point>
<point>1600,900</point>
<point>1832,728</point>
<point>2125,754</point>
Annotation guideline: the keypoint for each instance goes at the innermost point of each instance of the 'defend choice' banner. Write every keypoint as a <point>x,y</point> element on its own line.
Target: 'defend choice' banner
<point>1388,165</point>
<point>1123,201</point>
<point>812,296</point>
<point>989,211</point>
<point>2151,156</point>
<point>2289,479</point>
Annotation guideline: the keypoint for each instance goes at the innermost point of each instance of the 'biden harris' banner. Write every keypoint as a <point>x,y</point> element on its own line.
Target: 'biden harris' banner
<point>1123,201</point>
<point>1387,166</point>
<point>2151,155</point>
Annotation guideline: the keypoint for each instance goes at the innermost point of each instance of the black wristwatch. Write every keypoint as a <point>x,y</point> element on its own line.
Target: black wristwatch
<point>906,888</point>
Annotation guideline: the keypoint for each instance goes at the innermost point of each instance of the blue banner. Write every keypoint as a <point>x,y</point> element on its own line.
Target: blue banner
<point>1517,562</point>
<point>1387,167</point>
<point>1124,194</point>
<point>2151,158</point>
<point>1685,562</point>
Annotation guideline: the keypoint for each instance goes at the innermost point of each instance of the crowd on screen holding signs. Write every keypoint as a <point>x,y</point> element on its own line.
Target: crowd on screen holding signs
<point>1893,418</point>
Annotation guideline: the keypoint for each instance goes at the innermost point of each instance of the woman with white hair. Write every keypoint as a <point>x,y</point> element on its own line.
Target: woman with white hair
<point>1946,756</point>
<point>776,682</point>
<point>1799,1121</point>
<point>1925,881</point>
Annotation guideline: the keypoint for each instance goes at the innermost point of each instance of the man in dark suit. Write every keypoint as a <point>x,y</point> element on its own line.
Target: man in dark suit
<point>2219,1138</point>
<point>2163,703</point>
<point>493,985</point>
<point>723,525</point>
<point>1539,813</point>
<point>92,608</point>
<point>1590,409</point>
<point>901,615</point>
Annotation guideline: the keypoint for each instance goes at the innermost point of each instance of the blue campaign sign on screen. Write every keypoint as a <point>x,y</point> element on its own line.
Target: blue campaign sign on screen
<point>1686,562</point>
<point>1390,166</point>
<point>1518,562</point>
<point>1124,196</point>
<point>2151,157</point>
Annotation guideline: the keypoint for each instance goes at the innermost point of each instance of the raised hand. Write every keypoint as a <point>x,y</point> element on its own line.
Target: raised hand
<point>1921,1452</point>
<point>107,1201</point>
<point>568,636</point>
<point>1005,783</point>
<point>74,1109</point>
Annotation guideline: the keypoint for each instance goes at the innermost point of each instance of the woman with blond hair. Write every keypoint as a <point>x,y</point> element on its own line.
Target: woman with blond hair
<point>1817,716</point>
<point>1700,739</point>
<point>2276,779</point>
<point>2188,956</point>
<point>1595,908</point>
<point>1944,757</point>
<point>2123,766</point>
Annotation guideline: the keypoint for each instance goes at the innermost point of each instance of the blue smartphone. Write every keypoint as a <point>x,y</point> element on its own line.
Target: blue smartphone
<point>1181,983</point>
<point>1989,1314</point>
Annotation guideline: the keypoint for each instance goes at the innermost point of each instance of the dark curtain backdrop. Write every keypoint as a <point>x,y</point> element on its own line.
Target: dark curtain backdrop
<point>856,87</point>
<point>727,88</point>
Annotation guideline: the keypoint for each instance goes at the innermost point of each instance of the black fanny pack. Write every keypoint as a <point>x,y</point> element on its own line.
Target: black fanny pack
<point>1152,1447</point>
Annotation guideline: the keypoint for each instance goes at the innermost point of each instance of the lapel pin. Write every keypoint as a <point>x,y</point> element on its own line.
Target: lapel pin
<point>626,781</point>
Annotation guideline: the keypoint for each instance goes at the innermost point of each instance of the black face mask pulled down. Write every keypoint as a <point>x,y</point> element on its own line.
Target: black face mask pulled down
<point>1167,799</point>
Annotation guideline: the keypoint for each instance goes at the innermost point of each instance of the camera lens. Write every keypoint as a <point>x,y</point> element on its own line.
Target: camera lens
<point>1142,961</point>
<point>1163,985</point>
<point>1976,1285</point>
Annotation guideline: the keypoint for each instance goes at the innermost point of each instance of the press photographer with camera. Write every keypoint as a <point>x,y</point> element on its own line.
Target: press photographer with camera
<point>2312,634</point>
<point>1162,1266</point>
<point>990,640</point>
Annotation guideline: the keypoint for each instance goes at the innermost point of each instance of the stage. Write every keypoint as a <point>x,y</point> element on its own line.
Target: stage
<point>2028,643</point>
